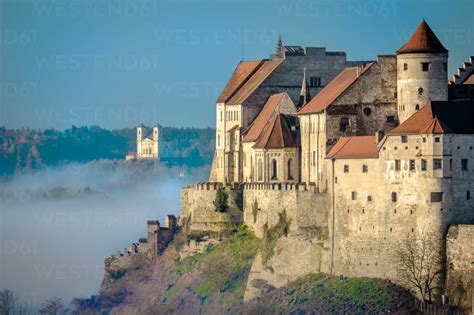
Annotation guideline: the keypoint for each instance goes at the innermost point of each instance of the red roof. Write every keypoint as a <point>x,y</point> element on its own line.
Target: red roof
<point>241,74</point>
<point>439,117</point>
<point>424,40</point>
<point>334,89</point>
<point>354,148</point>
<point>279,134</point>
<point>257,126</point>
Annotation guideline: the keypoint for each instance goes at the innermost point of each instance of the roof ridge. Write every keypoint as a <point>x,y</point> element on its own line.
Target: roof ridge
<point>247,78</point>
<point>343,145</point>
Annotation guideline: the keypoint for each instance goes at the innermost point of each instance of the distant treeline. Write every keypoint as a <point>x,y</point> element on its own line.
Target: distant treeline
<point>26,149</point>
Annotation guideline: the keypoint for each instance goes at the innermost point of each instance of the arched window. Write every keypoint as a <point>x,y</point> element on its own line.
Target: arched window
<point>289,169</point>
<point>260,169</point>
<point>417,106</point>
<point>274,170</point>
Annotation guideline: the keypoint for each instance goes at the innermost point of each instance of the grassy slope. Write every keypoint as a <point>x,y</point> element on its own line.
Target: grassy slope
<point>214,283</point>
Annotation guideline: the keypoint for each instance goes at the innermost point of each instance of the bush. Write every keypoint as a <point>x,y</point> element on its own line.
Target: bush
<point>220,202</point>
<point>271,236</point>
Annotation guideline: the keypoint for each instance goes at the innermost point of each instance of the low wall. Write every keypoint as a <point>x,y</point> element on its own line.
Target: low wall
<point>460,264</point>
<point>198,213</point>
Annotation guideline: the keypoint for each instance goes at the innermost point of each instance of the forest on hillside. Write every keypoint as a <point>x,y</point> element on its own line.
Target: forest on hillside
<point>23,150</point>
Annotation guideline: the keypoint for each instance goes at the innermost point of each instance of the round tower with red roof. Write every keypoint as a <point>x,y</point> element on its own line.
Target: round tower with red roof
<point>422,72</point>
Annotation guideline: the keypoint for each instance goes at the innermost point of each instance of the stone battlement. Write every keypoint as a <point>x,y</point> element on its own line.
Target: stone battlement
<point>281,186</point>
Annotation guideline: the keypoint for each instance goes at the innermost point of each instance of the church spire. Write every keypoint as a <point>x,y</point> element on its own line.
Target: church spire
<point>305,97</point>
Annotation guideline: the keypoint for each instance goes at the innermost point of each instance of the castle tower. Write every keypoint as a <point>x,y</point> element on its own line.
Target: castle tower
<point>305,97</point>
<point>139,141</point>
<point>422,72</point>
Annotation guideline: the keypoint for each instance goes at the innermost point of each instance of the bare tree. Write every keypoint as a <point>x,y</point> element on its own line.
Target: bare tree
<point>53,306</point>
<point>7,302</point>
<point>420,264</point>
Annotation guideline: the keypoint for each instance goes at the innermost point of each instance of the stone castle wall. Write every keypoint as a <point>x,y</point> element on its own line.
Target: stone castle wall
<point>460,264</point>
<point>198,213</point>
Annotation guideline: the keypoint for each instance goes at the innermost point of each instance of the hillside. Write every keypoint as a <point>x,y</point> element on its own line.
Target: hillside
<point>27,149</point>
<point>213,282</point>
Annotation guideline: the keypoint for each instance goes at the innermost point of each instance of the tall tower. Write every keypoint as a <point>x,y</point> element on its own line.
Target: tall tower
<point>156,142</point>
<point>139,141</point>
<point>422,72</point>
<point>305,97</point>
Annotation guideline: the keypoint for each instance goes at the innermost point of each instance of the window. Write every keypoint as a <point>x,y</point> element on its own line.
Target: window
<point>390,119</point>
<point>417,106</point>
<point>464,164</point>
<point>420,91</point>
<point>425,66</point>
<point>221,115</point>
<point>436,197</point>
<point>344,124</point>
<point>260,169</point>
<point>369,198</point>
<point>412,165</point>
<point>397,165</point>
<point>437,164</point>
<point>405,67</point>
<point>450,164</point>
<point>367,111</point>
<point>404,139</point>
<point>289,169</point>
<point>424,165</point>
<point>218,140</point>
<point>315,81</point>
<point>445,66</point>
<point>468,195</point>
<point>424,140</point>
<point>437,139</point>
<point>365,168</point>
<point>346,168</point>
<point>394,197</point>
<point>274,170</point>
<point>354,195</point>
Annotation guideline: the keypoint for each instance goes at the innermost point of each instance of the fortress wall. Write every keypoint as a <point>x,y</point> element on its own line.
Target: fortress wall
<point>198,213</point>
<point>460,264</point>
<point>307,209</point>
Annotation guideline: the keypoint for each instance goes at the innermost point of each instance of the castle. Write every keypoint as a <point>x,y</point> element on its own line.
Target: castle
<point>359,154</point>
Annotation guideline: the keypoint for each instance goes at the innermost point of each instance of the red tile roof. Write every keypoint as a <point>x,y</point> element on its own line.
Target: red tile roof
<point>255,129</point>
<point>242,73</point>
<point>256,78</point>
<point>354,148</point>
<point>279,134</point>
<point>424,40</point>
<point>439,117</point>
<point>334,89</point>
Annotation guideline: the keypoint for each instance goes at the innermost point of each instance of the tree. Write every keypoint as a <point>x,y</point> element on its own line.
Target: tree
<point>7,302</point>
<point>420,264</point>
<point>221,200</point>
<point>53,306</point>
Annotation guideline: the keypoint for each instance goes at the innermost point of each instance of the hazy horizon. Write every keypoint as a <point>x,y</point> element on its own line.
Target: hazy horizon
<point>118,63</point>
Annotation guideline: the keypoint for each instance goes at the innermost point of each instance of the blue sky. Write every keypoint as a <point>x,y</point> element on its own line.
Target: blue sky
<point>118,63</point>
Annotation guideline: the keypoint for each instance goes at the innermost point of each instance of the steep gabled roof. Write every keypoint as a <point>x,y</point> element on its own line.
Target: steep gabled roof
<point>255,129</point>
<point>256,78</point>
<point>354,148</point>
<point>241,74</point>
<point>424,40</point>
<point>334,89</point>
<point>279,134</point>
<point>440,117</point>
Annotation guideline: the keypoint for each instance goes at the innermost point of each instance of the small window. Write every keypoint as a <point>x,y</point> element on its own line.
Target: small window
<point>412,165</point>
<point>424,140</point>
<point>390,119</point>
<point>424,165</point>
<point>425,66</point>
<point>346,168</point>
<point>436,197</point>
<point>369,198</point>
<point>397,165</point>
<point>437,164</point>
<point>394,197</point>
<point>437,139</point>
<point>417,106</point>
<point>344,124</point>
<point>450,164</point>
<point>354,195</point>
<point>274,170</point>
<point>420,91</point>
<point>404,139</point>
<point>365,168</point>
<point>468,195</point>
<point>464,164</point>
<point>367,111</point>
<point>405,67</point>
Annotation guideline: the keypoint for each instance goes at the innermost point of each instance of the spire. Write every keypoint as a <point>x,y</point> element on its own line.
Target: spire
<point>305,97</point>
<point>423,40</point>
<point>279,48</point>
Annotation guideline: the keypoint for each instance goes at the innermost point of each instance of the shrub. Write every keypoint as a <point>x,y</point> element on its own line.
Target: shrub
<point>255,210</point>
<point>271,235</point>
<point>220,202</point>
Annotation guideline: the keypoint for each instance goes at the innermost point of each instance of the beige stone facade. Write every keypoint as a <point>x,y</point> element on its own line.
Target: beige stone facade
<point>148,145</point>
